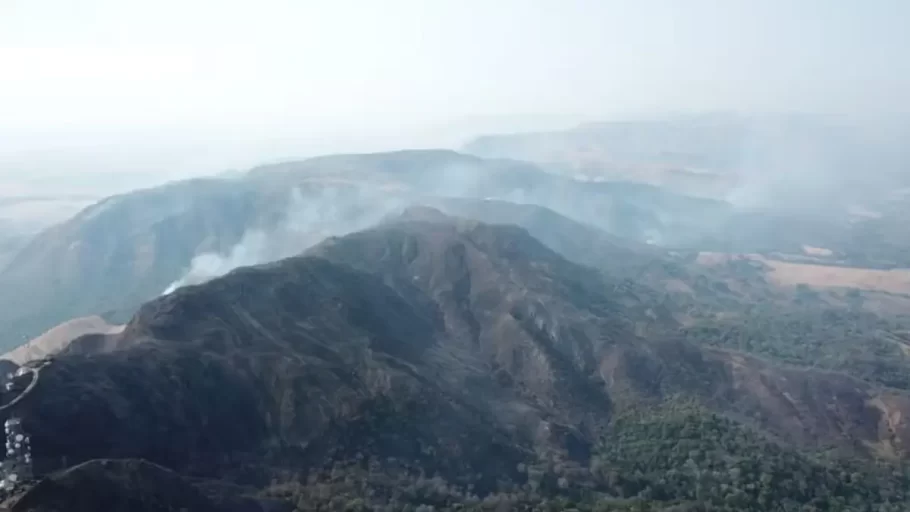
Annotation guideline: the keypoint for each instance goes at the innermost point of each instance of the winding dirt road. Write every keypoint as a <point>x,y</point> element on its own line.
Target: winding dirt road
<point>36,374</point>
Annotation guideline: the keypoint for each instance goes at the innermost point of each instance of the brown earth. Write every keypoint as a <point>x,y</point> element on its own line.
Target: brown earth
<point>785,273</point>
<point>58,338</point>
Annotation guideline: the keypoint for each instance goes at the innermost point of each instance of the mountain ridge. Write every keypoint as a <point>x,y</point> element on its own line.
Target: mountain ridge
<point>127,249</point>
<point>430,345</point>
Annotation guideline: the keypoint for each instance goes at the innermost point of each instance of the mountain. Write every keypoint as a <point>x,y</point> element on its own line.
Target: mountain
<point>127,249</point>
<point>632,210</point>
<point>400,339</point>
<point>741,304</point>
<point>793,161</point>
<point>444,361</point>
<point>709,143</point>
<point>796,308</point>
<point>788,181</point>
<point>580,242</point>
<point>112,255</point>
<point>10,243</point>
<point>24,213</point>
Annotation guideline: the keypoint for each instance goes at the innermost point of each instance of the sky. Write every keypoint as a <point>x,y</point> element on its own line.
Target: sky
<point>275,76</point>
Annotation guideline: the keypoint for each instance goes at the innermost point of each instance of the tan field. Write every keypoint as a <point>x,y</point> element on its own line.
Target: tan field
<point>785,273</point>
<point>59,337</point>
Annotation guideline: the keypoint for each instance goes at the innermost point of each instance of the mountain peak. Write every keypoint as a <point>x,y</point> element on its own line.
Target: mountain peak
<point>420,213</point>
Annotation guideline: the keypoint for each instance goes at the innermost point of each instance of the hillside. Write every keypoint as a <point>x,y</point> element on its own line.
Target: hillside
<point>130,485</point>
<point>432,346</point>
<point>580,242</point>
<point>10,243</point>
<point>112,255</point>
<point>841,323</point>
<point>127,249</point>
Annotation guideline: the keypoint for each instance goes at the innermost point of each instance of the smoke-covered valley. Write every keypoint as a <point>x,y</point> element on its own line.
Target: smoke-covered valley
<point>755,173</point>
<point>338,195</point>
<point>814,164</point>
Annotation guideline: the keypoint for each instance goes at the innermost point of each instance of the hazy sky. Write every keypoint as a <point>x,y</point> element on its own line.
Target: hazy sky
<point>104,68</point>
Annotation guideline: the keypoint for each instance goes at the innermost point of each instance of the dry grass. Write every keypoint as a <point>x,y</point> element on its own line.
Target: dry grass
<point>59,337</point>
<point>785,273</point>
<point>791,274</point>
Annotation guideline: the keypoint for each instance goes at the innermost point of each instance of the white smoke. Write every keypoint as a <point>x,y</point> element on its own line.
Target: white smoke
<point>252,249</point>
<point>810,164</point>
<point>310,218</point>
<point>321,210</point>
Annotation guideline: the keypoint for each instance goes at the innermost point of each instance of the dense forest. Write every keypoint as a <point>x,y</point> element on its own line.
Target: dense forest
<point>677,457</point>
<point>859,343</point>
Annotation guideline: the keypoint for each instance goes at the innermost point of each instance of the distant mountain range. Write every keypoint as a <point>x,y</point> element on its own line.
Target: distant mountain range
<point>778,161</point>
